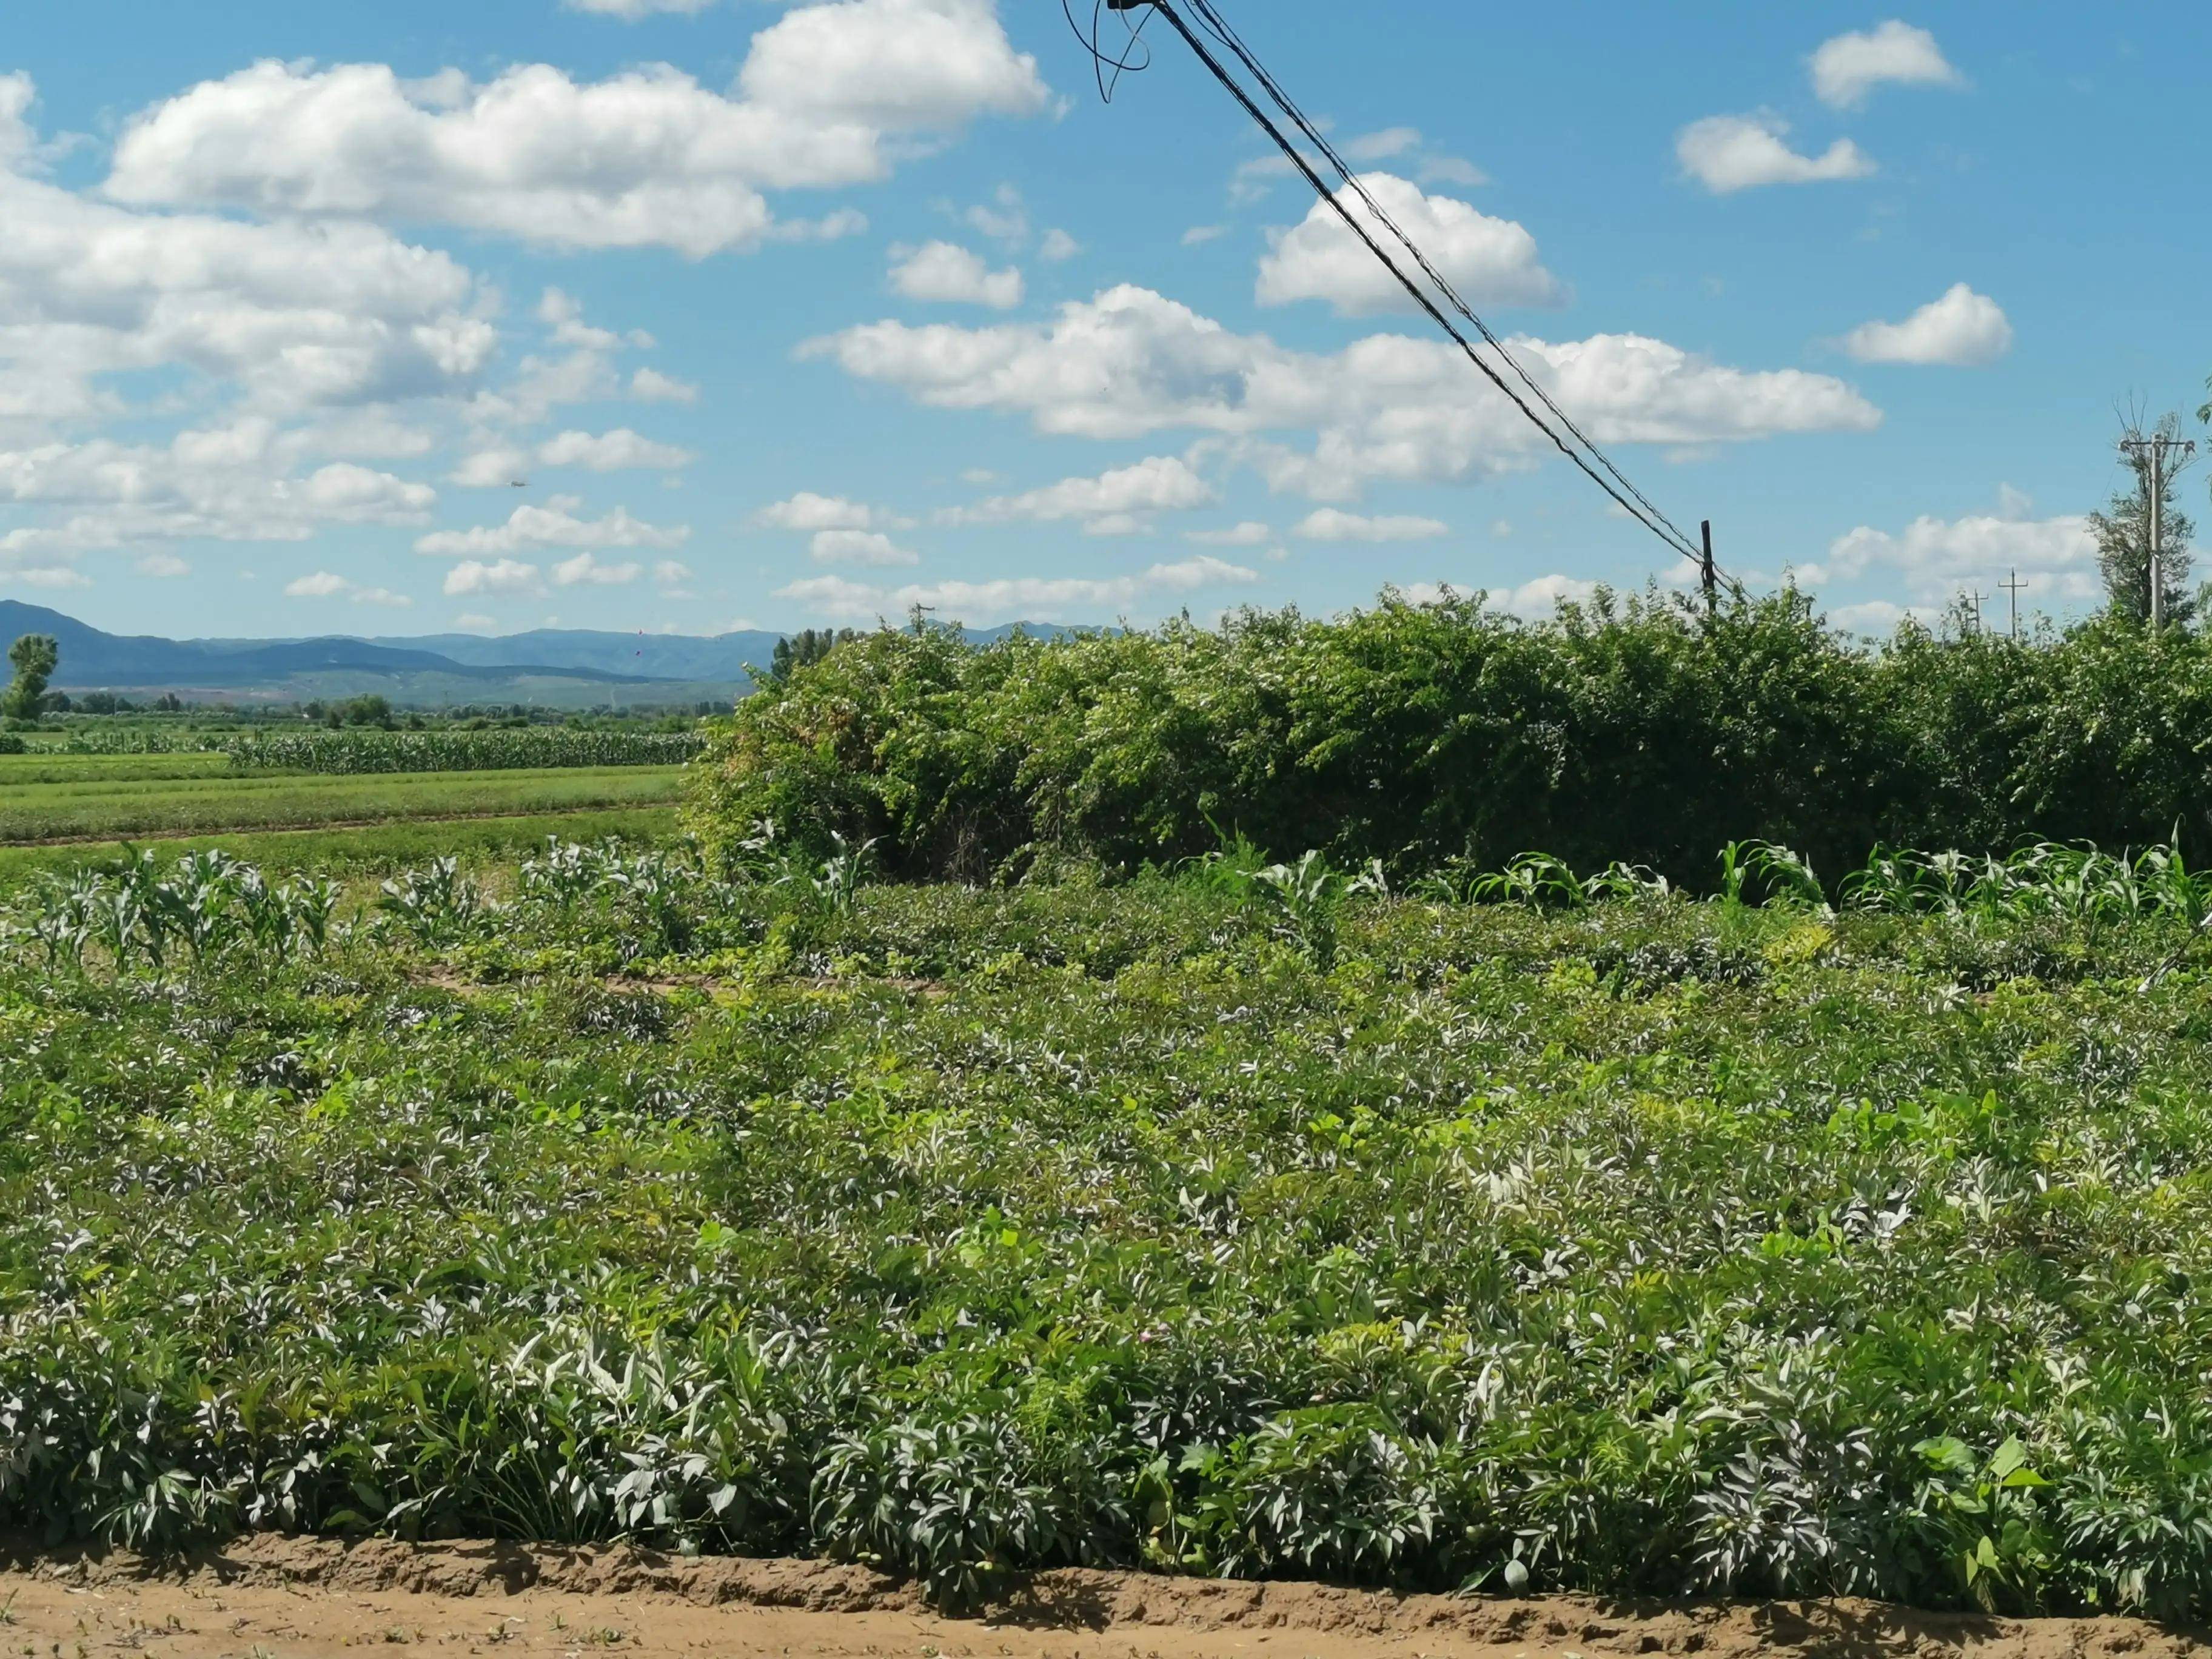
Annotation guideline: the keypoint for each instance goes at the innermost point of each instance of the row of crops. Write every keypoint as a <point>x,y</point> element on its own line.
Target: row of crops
<point>493,749</point>
<point>1251,1218</point>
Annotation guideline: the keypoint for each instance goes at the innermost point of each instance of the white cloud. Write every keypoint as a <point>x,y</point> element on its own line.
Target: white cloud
<point>554,525</point>
<point>1848,67</point>
<point>328,585</point>
<point>1542,597</point>
<point>495,467</point>
<point>1003,219</point>
<point>650,386</point>
<point>631,10</point>
<point>1157,483</point>
<point>1879,617</point>
<point>1057,245</point>
<point>586,568</point>
<point>945,273</point>
<point>612,452</point>
<point>17,141</point>
<point>296,315</point>
<point>1041,598</point>
<point>1250,533</point>
<point>808,511</point>
<point>858,547</point>
<point>1381,146</point>
<point>1963,329</point>
<point>1727,153</point>
<point>165,566</point>
<point>1131,362</point>
<point>229,484</point>
<point>669,575</point>
<point>1199,235</point>
<point>560,312</point>
<point>1327,524</point>
<point>1501,528</point>
<point>1936,556</point>
<point>472,622</point>
<point>1491,261</point>
<point>829,95</point>
<point>501,579</point>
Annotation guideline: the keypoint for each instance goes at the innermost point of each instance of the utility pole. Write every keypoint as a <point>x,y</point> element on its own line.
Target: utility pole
<point>2013,587</point>
<point>1706,567</point>
<point>1975,600</point>
<point>2150,453</point>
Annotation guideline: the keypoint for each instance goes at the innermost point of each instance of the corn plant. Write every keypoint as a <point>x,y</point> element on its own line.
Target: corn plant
<point>436,902</point>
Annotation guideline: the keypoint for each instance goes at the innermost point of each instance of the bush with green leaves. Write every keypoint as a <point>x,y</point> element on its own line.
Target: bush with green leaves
<point>1432,736</point>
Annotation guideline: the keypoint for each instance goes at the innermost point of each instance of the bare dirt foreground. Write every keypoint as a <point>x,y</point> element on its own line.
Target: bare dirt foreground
<point>274,1598</point>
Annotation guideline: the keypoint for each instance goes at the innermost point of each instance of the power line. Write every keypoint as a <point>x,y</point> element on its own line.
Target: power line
<point>1640,507</point>
<point>1220,29</point>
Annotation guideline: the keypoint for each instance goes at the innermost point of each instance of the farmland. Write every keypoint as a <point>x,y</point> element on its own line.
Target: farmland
<point>1529,1235</point>
<point>63,810</point>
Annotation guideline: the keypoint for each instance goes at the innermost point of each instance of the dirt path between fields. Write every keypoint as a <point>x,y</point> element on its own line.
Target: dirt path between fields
<point>273,1598</point>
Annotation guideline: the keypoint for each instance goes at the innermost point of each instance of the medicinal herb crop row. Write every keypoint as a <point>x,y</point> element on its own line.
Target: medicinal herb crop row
<point>1247,1219</point>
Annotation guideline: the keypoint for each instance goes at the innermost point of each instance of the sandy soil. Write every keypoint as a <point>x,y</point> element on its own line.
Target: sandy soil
<point>270,1598</point>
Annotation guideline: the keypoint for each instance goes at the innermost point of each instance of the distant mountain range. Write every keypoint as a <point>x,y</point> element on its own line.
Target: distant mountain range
<point>554,667</point>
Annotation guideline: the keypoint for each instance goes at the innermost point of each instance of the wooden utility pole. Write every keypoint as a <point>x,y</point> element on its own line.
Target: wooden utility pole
<point>2149,453</point>
<point>1706,567</point>
<point>2013,589</point>
<point>1975,600</point>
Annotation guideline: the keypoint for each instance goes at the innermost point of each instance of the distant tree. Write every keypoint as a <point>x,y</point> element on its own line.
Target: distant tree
<point>803,650</point>
<point>2123,531</point>
<point>369,710</point>
<point>34,657</point>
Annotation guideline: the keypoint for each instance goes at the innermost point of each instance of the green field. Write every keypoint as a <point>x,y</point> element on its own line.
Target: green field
<point>373,849</point>
<point>168,799</point>
<point>1231,1222</point>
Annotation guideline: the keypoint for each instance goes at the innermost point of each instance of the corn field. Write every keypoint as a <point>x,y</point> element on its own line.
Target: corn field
<point>495,749</point>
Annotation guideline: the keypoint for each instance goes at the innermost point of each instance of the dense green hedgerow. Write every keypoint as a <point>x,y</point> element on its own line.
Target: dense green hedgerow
<point>1635,731</point>
<point>1639,1247</point>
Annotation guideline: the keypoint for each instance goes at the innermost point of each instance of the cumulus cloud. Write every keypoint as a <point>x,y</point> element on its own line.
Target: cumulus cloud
<point>829,95</point>
<point>298,315</point>
<point>328,585</point>
<point>618,451</point>
<point>1250,533</point>
<point>808,511</point>
<point>650,386</point>
<point>1057,245</point>
<point>1111,500</point>
<point>1848,67</point>
<point>162,566</point>
<point>1131,362</point>
<point>552,525</point>
<point>238,482</point>
<point>1490,261</point>
<point>497,579</point>
<point>631,10</point>
<point>1963,329</point>
<point>945,273</point>
<point>1046,598</point>
<point>1729,153</point>
<point>1327,524</point>
<point>1935,556</point>
<point>870,547</point>
<point>589,568</point>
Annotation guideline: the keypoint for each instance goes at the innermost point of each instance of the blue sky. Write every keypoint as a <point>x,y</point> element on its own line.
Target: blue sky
<point>696,314</point>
